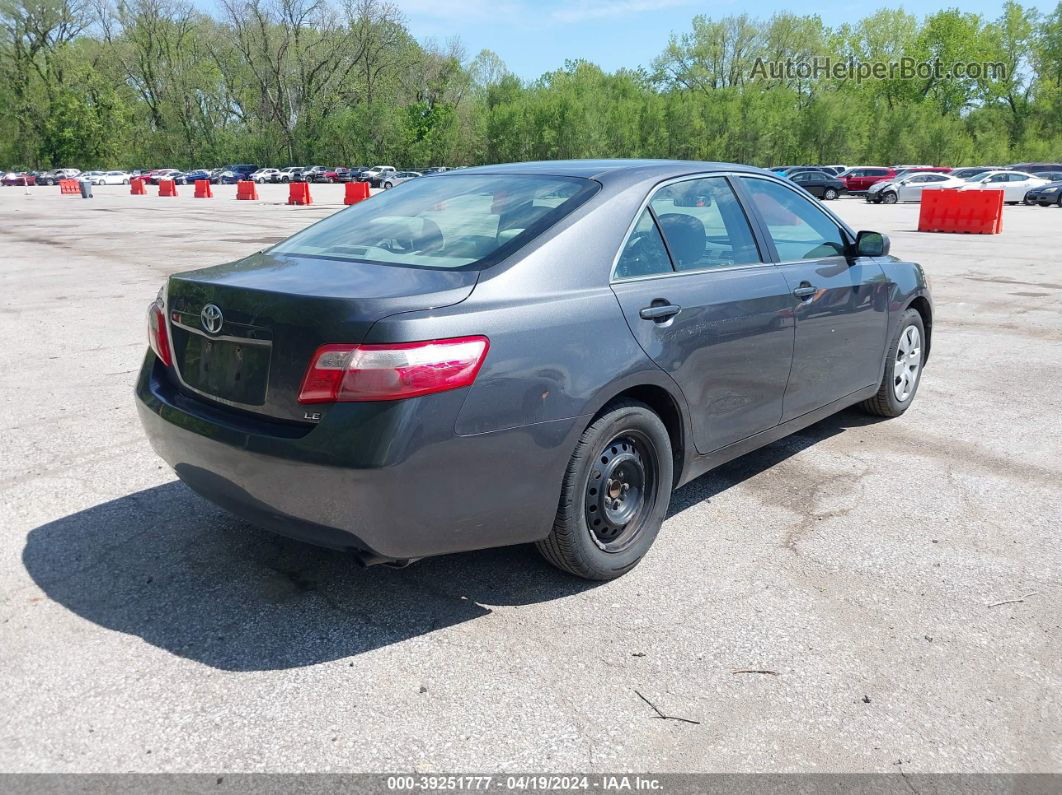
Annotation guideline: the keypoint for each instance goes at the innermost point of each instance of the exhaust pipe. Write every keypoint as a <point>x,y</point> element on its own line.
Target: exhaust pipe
<point>366,559</point>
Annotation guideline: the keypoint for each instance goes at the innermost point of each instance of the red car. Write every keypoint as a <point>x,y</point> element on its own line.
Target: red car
<point>858,178</point>
<point>20,179</point>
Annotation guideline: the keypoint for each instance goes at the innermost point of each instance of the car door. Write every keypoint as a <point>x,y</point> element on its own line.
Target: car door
<point>912,191</point>
<point>810,182</point>
<point>908,189</point>
<point>707,307</point>
<point>840,304</point>
<point>996,182</point>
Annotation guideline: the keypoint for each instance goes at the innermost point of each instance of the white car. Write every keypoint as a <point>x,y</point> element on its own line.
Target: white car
<point>1014,184</point>
<point>376,175</point>
<point>909,188</point>
<point>110,178</point>
<point>265,175</point>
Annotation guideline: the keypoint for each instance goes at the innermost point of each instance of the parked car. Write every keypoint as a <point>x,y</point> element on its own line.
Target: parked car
<point>1046,195</point>
<point>908,187</point>
<point>231,174</point>
<point>819,183</point>
<point>1050,176</point>
<point>399,177</point>
<point>264,175</point>
<point>153,176</point>
<point>406,377</point>
<point>191,177</point>
<point>835,170</point>
<point>338,174</point>
<point>859,178</point>
<point>315,173</point>
<point>111,178</point>
<point>971,171</point>
<point>789,172</point>
<point>53,177</point>
<point>19,178</point>
<point>376,175</point>
<point>435,170</point>
<point>289,174</point>
<point>1029,168</point>
<point>1014,184</point>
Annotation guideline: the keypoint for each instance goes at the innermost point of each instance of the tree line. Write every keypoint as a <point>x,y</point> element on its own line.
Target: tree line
<point>127,83</point>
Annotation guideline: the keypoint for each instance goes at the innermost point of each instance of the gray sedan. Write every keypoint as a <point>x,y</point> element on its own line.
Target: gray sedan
<point>533,352</point>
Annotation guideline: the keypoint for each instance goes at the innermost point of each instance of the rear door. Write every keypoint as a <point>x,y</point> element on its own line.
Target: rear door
<point>841,304</point>
<point>704,304</point>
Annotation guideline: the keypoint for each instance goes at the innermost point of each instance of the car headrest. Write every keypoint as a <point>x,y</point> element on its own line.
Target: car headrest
<point>685,237</point>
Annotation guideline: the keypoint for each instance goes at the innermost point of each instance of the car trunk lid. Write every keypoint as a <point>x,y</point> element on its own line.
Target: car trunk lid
<point>243,333</point>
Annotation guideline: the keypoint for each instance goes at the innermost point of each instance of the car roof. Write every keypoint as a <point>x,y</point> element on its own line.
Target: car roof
<point>603,170</point>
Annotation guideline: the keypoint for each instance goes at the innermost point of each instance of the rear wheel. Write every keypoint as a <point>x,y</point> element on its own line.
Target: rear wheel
<point>889,197</point>
<point>614,495</point>
<point>903,368</point>
<point>830,194</point>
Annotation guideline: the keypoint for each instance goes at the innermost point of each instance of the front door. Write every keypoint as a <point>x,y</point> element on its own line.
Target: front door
<point>841,304</point>
<point>707,309</point>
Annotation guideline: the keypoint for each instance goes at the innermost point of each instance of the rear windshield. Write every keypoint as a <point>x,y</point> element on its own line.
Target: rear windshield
<point>452,221</point>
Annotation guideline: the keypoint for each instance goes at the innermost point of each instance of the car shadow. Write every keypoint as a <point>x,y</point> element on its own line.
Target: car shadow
<point>741,469</point>
<point>170,568</point>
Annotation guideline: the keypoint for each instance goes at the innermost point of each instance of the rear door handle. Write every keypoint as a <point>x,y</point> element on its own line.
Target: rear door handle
<point>659,311</point>
<point>805,290</point>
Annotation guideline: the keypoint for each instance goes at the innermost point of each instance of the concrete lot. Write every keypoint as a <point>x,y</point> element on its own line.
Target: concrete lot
<point>141,629</point>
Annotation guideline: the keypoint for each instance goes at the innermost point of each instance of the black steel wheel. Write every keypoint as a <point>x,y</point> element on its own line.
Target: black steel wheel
<point>614,495</point>
<point>620,480</point>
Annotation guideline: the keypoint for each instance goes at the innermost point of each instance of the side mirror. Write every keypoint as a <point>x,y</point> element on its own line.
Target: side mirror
<point>871,244</point>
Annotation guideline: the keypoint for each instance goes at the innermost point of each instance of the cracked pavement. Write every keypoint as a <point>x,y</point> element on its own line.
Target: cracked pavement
<point>142,629</point>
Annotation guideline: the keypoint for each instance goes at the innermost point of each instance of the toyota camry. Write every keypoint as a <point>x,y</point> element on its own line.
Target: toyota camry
<point>528,353</point>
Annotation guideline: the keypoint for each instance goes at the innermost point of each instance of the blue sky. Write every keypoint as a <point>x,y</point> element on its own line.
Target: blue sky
<point>534,36</point>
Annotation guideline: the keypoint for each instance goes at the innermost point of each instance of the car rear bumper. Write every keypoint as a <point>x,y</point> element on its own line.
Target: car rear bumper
<point>388,480</point>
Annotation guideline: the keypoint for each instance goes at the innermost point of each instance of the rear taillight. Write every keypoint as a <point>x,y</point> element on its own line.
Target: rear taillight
<point>345,373</point>
<point>157,336</point>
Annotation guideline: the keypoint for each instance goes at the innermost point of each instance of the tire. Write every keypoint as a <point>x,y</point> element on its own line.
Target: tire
<point>1011,203</point>
<point>1058,201</point>
<point>125,182</point>
<point>387,186</point>
<point>829,194</point>
<point>887,402</point>
<point>889,197</point>
<point>628,447</point>
<point>1028,201</point>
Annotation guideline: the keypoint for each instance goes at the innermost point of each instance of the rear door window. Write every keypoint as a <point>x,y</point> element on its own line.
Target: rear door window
<point>704,225</point>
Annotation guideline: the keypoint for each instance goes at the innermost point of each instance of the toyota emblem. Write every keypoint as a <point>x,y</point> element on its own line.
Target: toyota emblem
<point>212,318</point>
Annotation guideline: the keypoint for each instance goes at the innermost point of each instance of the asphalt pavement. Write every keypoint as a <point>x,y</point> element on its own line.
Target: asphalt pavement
<point>867,595</point>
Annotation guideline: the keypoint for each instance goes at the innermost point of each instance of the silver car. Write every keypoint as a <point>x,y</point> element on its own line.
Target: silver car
<point>399,177</point>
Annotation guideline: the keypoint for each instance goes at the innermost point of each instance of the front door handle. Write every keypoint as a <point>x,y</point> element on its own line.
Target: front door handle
<point>659,312</point>
<point>805,290</point>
